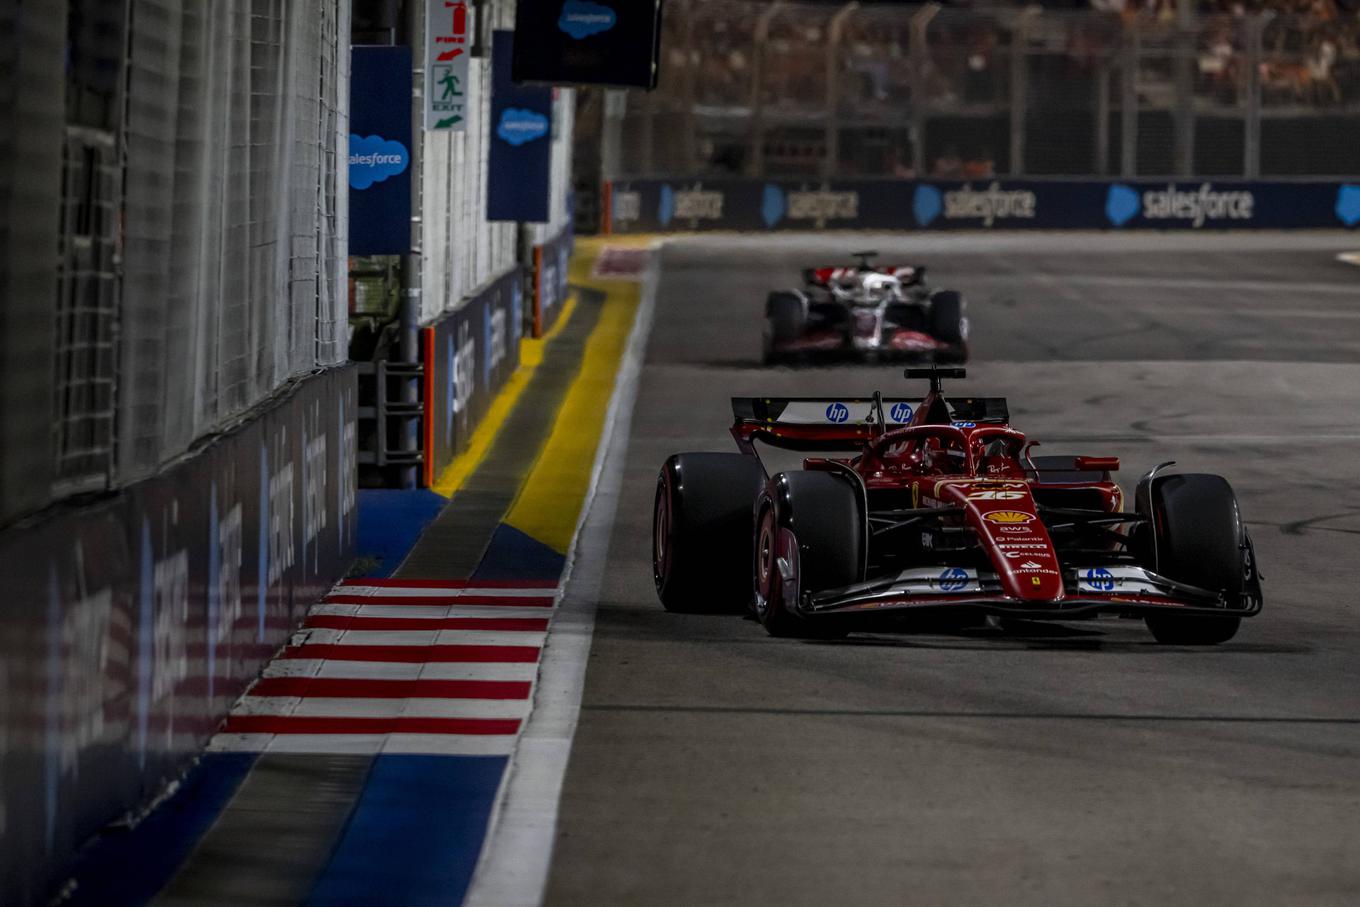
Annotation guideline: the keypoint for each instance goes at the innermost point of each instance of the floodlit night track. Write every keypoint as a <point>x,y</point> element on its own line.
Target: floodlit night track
<point>1068,763</point>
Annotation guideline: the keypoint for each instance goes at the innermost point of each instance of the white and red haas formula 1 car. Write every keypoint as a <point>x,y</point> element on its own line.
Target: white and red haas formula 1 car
<point>935,504</point>
<point>866,312</point>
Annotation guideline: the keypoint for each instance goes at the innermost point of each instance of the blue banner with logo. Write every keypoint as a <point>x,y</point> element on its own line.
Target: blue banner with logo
<point>587,42</point>
<point>993,204</point>
<point>380,151</point>
<point>520,165</point>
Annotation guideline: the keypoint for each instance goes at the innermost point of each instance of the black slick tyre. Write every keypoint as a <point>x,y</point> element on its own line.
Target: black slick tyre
<point>702,529</point>
<point>786,313</point>
<point>947,323</point>
<point>1199,539</point>
<point>821,514</point>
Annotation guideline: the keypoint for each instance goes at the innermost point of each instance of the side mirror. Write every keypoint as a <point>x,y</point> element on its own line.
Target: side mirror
<point>1096,464</point>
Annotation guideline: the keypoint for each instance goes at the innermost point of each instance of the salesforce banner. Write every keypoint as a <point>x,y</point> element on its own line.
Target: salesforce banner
<point>380,151</point>
<point>520,161</point>
<point>643,206</point>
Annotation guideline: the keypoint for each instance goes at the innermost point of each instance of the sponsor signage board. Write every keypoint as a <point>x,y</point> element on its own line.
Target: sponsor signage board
<point>997,204</point>
<point>139,619</point>
<point>448,47</point>
<point>520,165</point>
<point>588,42</point>
<point>470,353</point>
<point>380,151</point>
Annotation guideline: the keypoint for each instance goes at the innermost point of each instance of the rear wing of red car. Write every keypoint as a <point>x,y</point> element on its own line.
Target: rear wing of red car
<point>823,423</point>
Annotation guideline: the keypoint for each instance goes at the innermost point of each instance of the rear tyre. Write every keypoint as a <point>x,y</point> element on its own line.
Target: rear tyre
<point>1199,540</point>
<point>821,514</point>
<point>947,321</point>
<point>786,312</point>
<point>701,531</point>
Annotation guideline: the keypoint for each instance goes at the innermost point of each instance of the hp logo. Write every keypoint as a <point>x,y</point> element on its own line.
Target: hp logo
<point>900,412</point>
<point>837,412</point>
<point>1100,579</point>
<point>954,579</point>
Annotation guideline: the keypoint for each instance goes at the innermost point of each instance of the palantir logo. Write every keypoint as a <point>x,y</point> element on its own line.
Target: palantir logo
<point>900,413</point>
<point>1122,204</point>
<point>926,204</point>
<point>519,126</point>
<point>373,159</point>
<point>772,204</point>
<point>1348,204</point>
<point>837,412</point>
<point>581,18</point>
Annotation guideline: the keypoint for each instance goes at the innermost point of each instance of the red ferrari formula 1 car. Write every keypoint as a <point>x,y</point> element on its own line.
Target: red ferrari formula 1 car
<point>936,504</point>
<point>866,312</point>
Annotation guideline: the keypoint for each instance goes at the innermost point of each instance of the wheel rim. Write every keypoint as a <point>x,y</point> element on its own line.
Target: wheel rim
<point>661,535</point>
<point>765,562</point>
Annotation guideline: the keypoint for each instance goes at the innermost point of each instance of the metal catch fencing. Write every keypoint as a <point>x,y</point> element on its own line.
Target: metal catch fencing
<point>181,158</point>
<point>791,89</point>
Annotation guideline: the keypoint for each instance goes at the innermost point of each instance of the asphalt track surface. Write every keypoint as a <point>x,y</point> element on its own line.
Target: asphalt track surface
<point>1072,764</point>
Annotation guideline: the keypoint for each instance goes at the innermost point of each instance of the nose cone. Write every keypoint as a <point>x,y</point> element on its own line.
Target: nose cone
<point>1009,528</point>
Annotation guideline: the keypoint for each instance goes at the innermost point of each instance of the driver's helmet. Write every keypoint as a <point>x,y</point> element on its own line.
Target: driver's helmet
<point>876,288</point>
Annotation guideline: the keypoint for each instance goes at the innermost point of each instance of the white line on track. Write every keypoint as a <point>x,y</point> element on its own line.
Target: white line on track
<point>317,636</point>
<point>393,670</point>
<point>442,592</point>
<point>1350,258</point>
<point>366,744</point>
<point>513,868</point>
<point>415,612</point>
<point>336,707</point>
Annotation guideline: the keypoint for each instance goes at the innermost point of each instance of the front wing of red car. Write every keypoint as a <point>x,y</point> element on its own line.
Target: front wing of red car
<point>1118,588</point>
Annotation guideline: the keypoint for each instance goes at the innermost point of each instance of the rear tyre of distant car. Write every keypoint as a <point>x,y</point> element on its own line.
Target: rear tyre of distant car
<point>702,529</point>
<point>1199,539</point>
<point>812,523</point>
<point>786,312</point>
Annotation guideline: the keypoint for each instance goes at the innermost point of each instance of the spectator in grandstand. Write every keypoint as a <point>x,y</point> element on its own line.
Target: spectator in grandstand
<point>948,166</point>
<point>978,166</point>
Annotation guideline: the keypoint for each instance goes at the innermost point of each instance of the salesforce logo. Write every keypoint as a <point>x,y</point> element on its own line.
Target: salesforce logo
<point>926,204</point>
<point>581,18</point>
<point>519,126</point>
<point>1348,204</point>
<point>1122,204</point>
<point>771,204</point>
<point>373,159</point>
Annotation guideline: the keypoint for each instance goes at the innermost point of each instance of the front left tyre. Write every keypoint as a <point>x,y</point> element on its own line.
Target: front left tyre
<point>1199,539</point>
<point>702,530</point>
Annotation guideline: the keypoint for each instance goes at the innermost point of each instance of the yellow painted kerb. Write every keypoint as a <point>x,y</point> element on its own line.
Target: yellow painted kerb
<point>552,495</point>
<point>530,357</point>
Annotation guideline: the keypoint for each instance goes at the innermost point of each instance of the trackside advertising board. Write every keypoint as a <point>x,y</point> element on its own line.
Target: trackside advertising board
<point>550,279</point>
<point>741,204</point>
<point>520,165</point>
<point>469,354</point>
<point>380,151</point>
<point>131,624</point>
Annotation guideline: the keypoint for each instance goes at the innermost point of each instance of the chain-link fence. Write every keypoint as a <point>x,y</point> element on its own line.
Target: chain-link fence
<point>821,90</point>
<point>174,226</point>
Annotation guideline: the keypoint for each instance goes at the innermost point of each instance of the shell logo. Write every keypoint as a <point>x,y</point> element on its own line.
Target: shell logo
<point>1007,516</point>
